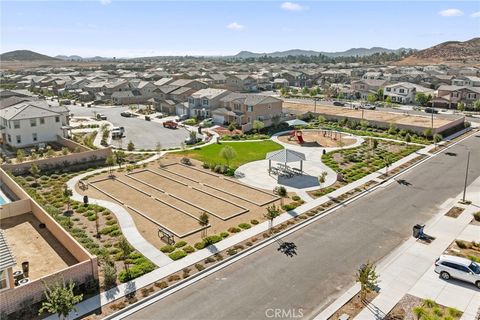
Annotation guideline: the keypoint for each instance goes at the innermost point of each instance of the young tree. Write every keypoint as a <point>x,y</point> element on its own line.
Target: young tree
<point>380,94</point>
<point>120,158</point>
<point>283,92</point>
<point>110,162</point>
<point>461,106</point>
<point>60,299</point>
<point>408,138</point>
<point>305,91</point>
<point>204,220</point>
<point>428,133</point>
<point>321,119</point>
<point>228,153</point>
<point>387,161</point>
<point>294,91</point>
<point>257,125</point>
<point>437,138</point>
<point>371,98</point>
<point>422,98</point>
<point>272,212</point>
<point>20,155</point>
<point>231,127</point>
<point>388,100</point>
<point>34,171</point>
<point>125,251</point>
<point>130,146</point>
<point>476,105</point>
<point>282,192</point>
<point>368,279</point>
<point>67,193</point>
<point>322,178</point>
<point>375,144</point>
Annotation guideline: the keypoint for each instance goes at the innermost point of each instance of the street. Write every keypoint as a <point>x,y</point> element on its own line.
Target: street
<point>328,251</point>
<point>144,134</point>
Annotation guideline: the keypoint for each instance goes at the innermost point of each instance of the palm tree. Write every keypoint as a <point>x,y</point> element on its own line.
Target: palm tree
<point>272,212</point>
<point>203,220</point>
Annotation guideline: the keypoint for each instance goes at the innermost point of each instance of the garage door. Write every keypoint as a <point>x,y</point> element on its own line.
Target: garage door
<point>218,119</point>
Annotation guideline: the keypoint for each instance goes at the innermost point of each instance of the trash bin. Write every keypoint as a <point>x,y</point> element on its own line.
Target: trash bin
<point>25,267</point>
<point>85,200</point>
<point>416,230</point>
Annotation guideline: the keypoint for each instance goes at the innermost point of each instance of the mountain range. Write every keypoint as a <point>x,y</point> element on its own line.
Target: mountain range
<point>298,52</point>
<point>25,55</point>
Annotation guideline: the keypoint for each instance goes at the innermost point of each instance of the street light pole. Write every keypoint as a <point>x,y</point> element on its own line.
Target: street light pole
<point>466,176</point>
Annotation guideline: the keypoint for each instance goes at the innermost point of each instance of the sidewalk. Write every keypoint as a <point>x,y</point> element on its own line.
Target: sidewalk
<point>409,269</point>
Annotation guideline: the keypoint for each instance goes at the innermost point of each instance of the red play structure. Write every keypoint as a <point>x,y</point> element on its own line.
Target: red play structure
<point>297,134</point>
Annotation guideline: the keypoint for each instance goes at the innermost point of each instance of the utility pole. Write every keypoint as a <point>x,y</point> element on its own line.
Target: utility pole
<point>433,110</point>
<point>466,176</point>
<point>315,106</point>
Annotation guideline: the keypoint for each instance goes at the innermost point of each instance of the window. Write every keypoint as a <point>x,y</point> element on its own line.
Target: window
<point>34,136</point>
<point>402,90</point>
<point>57,119</point>
<point>19,139</point>
<point>237,106</point>
<point>16,124</point>
<point>33,122</point>
<point>249,108</point>
<point>205,102</point>
<point>191,100</point>
<point>9,138</point>
<point>388,89</point>
<point>4,279</point>
<point>42,120</point>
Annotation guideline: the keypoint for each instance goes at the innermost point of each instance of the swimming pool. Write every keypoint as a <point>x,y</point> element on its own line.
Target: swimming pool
<point>3,198</point>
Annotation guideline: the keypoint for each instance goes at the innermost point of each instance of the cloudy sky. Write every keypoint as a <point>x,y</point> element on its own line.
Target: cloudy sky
<point>127,29</point>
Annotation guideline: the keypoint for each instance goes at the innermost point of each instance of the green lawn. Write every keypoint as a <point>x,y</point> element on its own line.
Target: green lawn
<point>246,152</point>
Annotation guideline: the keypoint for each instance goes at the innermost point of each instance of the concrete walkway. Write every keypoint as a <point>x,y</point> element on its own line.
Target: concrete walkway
<point>409,269</point>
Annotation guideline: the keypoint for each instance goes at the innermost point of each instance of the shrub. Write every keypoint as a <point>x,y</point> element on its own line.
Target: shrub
<point>177,255</point>
<point>295,198</point>
<point>188,249</point>
<point>161,285</point>
<point>476,215</point>
<point>231,252</point>
<point>224,234</point>
<point>254,222</point>
<point>180,244</point>
<point>209,260</point>
<point>199,266</point>
<point>173,277</point>
<point>234,230</point>
<point>199,245</point>
<point>167,249</point>
<point>140,268</point>
<point>212,239</point>
<point>462,244</point>
<point>244,226</point>
<point>186,161</point>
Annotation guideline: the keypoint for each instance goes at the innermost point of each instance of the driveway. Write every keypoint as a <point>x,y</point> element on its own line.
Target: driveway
<point>144,134</point>
<point>329,251</point>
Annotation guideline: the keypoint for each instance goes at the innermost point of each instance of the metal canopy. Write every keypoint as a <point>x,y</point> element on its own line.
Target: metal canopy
<point>285,156</point>
<point>296,122</point>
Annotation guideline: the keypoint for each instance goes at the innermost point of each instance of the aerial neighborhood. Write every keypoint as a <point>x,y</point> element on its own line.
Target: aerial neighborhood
<point>288,185</point>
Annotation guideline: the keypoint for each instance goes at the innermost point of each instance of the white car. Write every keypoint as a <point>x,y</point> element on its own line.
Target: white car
<point>206,123</point>
<point>458,268</point>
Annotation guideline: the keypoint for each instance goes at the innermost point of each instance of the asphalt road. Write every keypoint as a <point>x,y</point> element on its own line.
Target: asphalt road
<point>329,250</point>
<point>144,134</point>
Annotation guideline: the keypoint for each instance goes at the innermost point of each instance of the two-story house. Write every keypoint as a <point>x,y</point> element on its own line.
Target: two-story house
<point>402,92</point>
<point>450,96</point>
<point>241,83</point>
<point>243,108</point>
<point>203,102</point>
<point>466,81</point>
<point>30,122</point>
<point>362,88</point>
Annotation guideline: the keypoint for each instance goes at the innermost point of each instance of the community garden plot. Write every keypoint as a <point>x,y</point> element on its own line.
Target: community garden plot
<point>220,183</point>
<point>158,211</point>
<point>216,205</point>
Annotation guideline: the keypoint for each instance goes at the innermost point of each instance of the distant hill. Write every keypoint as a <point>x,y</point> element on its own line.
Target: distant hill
<point>297,52</point>
<point>78,58</point>
<point>467,52</point>
<point>25,55</point>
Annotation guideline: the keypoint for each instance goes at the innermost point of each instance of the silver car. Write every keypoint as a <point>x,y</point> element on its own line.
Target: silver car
<point>458,268</point>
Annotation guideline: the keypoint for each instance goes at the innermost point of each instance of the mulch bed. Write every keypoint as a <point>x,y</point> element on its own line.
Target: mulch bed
<point>354,306</point>
<point>454,212</point>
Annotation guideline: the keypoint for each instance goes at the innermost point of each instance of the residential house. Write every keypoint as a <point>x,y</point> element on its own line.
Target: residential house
<point>241,83</point>
<point>466,81</point>
<point>243,108</point>
<point>203,102</point>
<point>362,88</point>
<point>31,122</point>
<point>402,92</point>
<point>371,75</point>
<point>450,96</point>
<point>194,84</point>
<point>128,97</point>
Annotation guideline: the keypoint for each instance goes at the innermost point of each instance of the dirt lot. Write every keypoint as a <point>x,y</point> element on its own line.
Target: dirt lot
<point>175,195</point>
<point>372,115</point>
<point>319,139</point>
<point>37,246</point>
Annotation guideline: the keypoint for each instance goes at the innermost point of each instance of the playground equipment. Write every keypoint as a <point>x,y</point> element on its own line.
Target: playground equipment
<point>296,134</point>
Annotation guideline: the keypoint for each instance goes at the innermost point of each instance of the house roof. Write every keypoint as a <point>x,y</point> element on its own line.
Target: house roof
<point>163,81</point>
<point>6,256</point>
<point>249,99</point>
<point>208,93</point>
<point>31,109</point>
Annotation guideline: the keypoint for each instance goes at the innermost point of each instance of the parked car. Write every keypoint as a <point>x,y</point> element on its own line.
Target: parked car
<point>117,132</point>
<point>127,114</point>
<point>101,116</point>
<point>338,103</point>
<point>192,140</point>
<point>458,268</point>
<point>182,117</point>
<point>368,107</point>
<point>170,124</point>
<point>431,110</point>
<point>206,123</point>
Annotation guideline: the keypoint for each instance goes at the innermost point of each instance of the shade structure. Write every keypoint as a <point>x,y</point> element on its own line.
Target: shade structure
<point>296,122</point>
<point>285,156</point>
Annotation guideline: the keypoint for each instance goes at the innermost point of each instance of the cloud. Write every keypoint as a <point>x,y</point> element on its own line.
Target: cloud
<point>451,13</point>
<point>476,14</point>
<point>235,26</point>
<point>105,2</point>
<point>291,6</point>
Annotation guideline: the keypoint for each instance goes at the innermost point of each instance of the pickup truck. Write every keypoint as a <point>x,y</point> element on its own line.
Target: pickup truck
<point>101,116</point>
